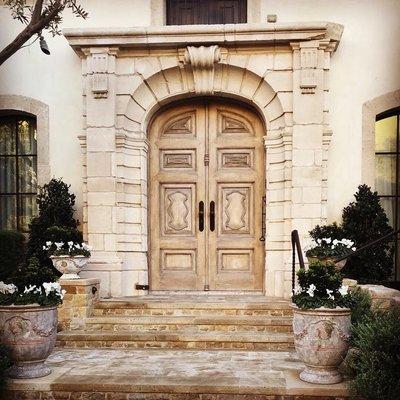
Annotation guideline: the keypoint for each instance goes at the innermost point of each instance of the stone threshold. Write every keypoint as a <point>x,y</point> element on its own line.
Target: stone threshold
<point>113,374</point>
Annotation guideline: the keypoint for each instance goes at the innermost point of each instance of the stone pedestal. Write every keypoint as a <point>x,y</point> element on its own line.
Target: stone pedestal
<point>78,302</point>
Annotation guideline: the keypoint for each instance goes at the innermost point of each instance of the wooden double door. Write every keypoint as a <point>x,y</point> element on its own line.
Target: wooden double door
<point>206,198</point>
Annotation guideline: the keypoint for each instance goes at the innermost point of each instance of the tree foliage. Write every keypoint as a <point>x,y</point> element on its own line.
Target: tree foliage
<point>42,15</point>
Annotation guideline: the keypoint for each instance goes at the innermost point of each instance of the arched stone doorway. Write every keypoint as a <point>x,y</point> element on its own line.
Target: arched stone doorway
<point>206,190</point>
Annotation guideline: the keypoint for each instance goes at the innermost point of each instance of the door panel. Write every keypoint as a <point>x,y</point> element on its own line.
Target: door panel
<point>211,153</point>
<point>177,249</point>
<point>236,182</point>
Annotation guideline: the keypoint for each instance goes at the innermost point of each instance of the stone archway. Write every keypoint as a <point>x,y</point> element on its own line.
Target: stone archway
<point>280,70</point>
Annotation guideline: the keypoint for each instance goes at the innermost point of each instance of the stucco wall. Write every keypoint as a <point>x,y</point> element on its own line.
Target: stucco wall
<point>366,65</point>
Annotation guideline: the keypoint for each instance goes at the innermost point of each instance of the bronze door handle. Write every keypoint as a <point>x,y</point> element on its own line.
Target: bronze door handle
<point>201,216</point>
<point>212,216</point>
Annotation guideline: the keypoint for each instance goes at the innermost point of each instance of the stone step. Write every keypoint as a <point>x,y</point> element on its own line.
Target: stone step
<point>177,340</point>
<point>184,306</point>
<point>190,323</point>
<point>137,374</point>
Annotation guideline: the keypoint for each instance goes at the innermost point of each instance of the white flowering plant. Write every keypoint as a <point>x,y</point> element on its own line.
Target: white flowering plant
<point>67,249</point>
<point>324,248</point>
<point>321,286</point>
<point>46,294</point>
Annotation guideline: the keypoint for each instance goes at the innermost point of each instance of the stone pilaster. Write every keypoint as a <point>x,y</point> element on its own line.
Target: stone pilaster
<point>100,178</point>
<point>311,134</point>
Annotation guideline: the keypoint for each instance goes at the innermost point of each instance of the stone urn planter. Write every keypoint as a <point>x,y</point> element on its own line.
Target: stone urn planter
<point>69,266</point>
<point>321,340</point>
<point>30,333</point>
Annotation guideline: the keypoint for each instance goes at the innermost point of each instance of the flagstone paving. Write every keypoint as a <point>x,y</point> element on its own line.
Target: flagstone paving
<point>126,374</point>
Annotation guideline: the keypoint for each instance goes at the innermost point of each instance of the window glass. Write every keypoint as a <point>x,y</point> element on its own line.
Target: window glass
<point>189,12</point>
<point>18,172</point>
<point>387,176</point>
<point>386,134</point>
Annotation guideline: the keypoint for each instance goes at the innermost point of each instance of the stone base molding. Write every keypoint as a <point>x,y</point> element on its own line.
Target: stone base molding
<point>78,302</point>
<point>281,70</point>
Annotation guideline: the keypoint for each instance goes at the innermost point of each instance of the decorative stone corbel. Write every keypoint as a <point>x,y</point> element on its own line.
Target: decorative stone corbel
<point>202,61</point>
<point>308,62</point>
<point>100,63</point>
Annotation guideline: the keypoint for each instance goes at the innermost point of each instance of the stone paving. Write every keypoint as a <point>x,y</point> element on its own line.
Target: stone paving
<point>98,374</point>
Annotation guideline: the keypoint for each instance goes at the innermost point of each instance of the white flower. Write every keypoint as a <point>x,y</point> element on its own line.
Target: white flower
<point>319,241</point>
<point>59,245</point>
<point>335,242</point>
<point>52,287</point>
<point>44,248</point>
<point>328,240</point>
<point>77,246</point>
<point>31,288</point>
<point>329,293</point>
<point>70,244</point>
<point>7,289</point>
<point>353,248</point>
<point>86,247</point>
<point>344,290</point>
<point>311,290</point>
<point>297,290</point>
<point>49,243</point>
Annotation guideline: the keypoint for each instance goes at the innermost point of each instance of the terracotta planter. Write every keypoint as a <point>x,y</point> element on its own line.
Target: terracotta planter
<point>30,333</point>
<point>321,340</point>
<point>69,266</point>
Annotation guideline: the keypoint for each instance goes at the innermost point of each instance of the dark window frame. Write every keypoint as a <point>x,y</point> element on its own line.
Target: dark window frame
<point>200,10</point>
<point>16,118</point>
<point>394,112</point>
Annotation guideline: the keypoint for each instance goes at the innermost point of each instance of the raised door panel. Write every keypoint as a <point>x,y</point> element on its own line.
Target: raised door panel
<point>236,184</point>
<point>176,186</point>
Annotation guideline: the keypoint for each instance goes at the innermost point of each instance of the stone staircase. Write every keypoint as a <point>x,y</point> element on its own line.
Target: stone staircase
<point>186,322</point>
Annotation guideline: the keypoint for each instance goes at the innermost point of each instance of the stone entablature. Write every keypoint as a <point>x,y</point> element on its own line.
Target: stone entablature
<point>129,74</point>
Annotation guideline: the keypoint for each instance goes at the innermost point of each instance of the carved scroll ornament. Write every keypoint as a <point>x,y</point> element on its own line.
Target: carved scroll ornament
<point>202,61</point>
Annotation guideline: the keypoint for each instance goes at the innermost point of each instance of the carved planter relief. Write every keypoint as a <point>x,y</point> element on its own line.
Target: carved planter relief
<point>321,340</point>
<point>30,333</point>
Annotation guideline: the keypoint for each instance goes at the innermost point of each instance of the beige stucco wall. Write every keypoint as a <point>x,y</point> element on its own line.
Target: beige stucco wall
<point>366,65</point>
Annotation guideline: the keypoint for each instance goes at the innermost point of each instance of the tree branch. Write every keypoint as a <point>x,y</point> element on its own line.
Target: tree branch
<point>33,28</point>
<point>37,11</point>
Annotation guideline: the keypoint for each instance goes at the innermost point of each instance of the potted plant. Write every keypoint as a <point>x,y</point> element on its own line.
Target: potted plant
<point>321,322</point>
<point>28,321</point>
<point>68,258</point>
<point>330,250</point>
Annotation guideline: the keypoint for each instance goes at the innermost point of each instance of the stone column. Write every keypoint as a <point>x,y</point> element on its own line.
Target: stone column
<point>311,134</point>
<point>100,179</point>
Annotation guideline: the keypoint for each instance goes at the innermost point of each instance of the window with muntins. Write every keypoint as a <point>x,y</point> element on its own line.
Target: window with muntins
<point>192,12</point>
<point>18,171</point>
<point>387,163</point>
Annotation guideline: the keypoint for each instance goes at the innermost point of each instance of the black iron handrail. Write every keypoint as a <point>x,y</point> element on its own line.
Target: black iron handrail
<point>296,246</point>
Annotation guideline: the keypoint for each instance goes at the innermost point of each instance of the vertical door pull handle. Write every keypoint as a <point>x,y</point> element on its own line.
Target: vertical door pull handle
<point>212,216</point>
<point>201,216</point>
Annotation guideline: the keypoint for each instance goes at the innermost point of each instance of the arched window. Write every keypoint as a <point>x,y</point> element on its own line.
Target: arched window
<point>387,163</point>
<point>18,170</point>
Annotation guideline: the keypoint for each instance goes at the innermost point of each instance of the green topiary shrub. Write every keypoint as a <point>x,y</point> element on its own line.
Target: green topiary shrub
<point>364,221</point>
<point>56,209</point>
<point>374,364</point>
<point>333,231</point>
<point>12,251</point>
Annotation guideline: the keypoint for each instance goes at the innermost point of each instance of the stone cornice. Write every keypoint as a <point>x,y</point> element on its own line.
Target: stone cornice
<point>230,34</point>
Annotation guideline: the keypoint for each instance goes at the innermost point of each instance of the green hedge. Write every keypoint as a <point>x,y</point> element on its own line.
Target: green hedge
<point>12,250</point>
